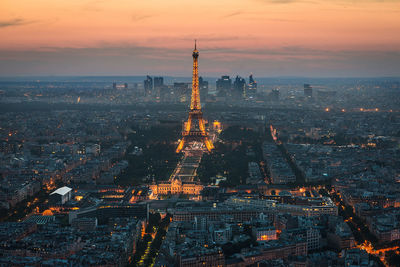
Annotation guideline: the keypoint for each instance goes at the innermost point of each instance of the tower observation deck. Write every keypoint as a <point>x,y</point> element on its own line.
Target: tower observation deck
<point>194,128</point>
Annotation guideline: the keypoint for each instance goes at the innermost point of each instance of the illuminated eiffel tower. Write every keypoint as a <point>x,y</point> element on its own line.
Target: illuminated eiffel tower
<point>194,128</point>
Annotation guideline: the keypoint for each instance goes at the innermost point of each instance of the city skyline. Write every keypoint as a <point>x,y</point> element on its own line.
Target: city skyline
<point>153,170</point>
<point>210,133</point>
<point>268,38</point>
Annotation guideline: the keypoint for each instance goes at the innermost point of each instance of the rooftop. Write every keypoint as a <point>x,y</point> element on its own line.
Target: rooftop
<point>62,190</point>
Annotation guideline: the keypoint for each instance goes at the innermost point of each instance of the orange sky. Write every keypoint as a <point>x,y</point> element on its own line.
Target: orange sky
<point>241,32</point>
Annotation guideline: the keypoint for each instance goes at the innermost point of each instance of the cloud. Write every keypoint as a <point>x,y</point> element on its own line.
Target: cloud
<point>282,1</point>
<point>93,6</point>
<point>14,22</point>
<point>137,17</point>
<point>131,59</point>
<point>187,40</point>
<point>286,1</point>
<point>233,14</point>
<point>211,38</point>
<point>326,1</point>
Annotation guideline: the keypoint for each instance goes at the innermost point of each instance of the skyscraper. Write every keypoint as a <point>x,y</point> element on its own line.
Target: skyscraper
<point>158,82</point>
<point>158,86</point>
<point>274,95</point>
<point>308,90</point>
<point>224,85</point>
<point>239,86</point>
<point>252,87</point>
<point>181,90</point>
<point>203,85</point>
<point>148,85</point>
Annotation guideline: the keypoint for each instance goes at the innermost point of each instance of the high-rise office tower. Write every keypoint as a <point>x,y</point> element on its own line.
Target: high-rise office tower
<point>148,85</point>
<point>274,96</point>
<point>114,85</point>
<point>181,89</point>
<point>252,87</point>
<point>158,86</point>
<point>203,85</point>
<point>308,90</point>
<point>158,82</point>
<point>239,86</point>
<point>224,86</point>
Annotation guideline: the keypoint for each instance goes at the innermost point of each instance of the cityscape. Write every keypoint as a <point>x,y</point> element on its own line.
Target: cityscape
<point>217,161</point>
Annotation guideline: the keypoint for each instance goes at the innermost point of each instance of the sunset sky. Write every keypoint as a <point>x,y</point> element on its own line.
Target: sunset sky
<point>266,37</point>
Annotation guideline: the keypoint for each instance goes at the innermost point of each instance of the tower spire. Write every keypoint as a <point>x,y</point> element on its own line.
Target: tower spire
<point>194,128</point>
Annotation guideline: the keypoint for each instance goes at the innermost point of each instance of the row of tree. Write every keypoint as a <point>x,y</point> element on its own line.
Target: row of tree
<point>238,146</point>
<point>158,158</point>
<point>157,225</point>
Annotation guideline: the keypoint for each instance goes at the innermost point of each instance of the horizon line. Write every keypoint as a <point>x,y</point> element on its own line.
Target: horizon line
<point>208,76</point>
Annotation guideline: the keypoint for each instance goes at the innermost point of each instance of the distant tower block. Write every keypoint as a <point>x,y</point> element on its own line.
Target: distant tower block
<point>194,129</point>
<point>308,90</point>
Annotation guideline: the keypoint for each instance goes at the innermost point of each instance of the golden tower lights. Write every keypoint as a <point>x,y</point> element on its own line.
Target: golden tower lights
<point>193,131</point>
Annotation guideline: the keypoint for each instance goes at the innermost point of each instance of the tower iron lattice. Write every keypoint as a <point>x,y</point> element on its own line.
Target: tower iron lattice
<point>194,128</point>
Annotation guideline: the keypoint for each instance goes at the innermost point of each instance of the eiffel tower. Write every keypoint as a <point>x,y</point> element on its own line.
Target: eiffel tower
<point>194,128</point>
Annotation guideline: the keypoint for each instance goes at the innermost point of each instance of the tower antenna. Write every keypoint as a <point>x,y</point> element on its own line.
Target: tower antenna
<point>194,127</point>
